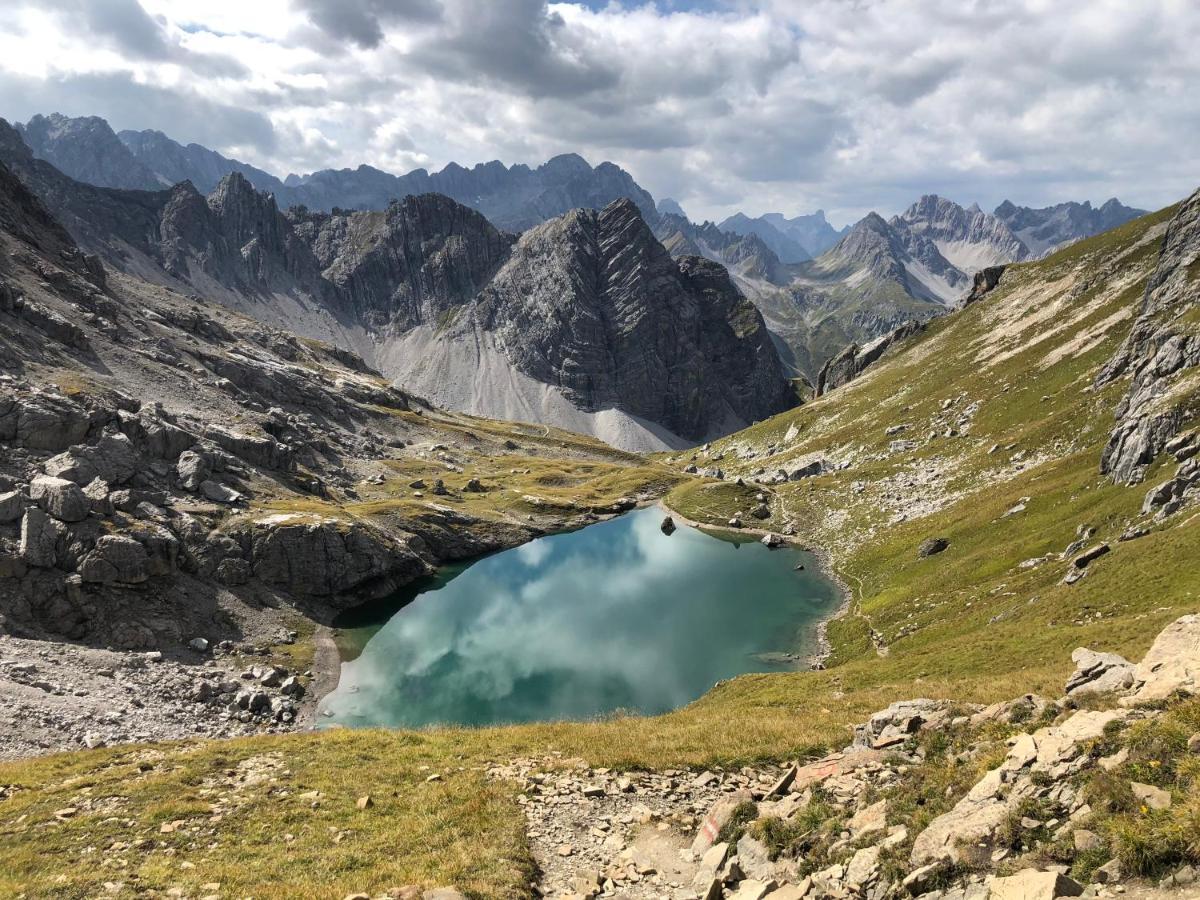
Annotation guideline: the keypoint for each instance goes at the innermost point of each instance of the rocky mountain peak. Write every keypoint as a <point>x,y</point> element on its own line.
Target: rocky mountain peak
<point>969,239</point>
<point>564,166</point>
<point>1047,229</point>
<point>87,149</point>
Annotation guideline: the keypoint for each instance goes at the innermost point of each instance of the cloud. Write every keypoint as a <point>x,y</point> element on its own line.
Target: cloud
<point>362,22</point>
<point>756,105</point>
<point>127,104</point>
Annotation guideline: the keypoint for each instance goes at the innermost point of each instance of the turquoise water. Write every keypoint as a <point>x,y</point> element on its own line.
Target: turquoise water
<point>616,616</point>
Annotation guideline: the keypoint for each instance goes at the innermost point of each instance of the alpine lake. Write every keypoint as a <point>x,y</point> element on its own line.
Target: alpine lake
<point>617,617</point>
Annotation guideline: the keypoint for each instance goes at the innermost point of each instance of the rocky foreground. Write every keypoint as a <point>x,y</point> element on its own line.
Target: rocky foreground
<point>1032,826</point>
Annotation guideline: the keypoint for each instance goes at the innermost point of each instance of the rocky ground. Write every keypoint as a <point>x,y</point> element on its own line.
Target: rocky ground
<point>834,828</point>
<point>60,697</point>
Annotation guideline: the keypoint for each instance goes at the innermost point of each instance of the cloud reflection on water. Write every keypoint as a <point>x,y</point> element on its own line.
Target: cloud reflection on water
<point>573,625</point>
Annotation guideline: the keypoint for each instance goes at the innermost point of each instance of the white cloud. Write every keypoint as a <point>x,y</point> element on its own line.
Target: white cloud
<point>767,105</point>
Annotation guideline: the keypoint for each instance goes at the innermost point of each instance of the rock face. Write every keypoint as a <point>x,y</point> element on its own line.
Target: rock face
<point>1158,355</point>
<point>854,360</point>
<point>330,558</point>
<point>408,266</point>
<point>592,304</point>
<point>985,282</point>
<point>1047,229</point>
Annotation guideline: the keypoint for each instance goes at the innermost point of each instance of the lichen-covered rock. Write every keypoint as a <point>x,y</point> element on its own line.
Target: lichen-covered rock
<point>113,458</point>
<point>1099,673</point>
<point>1171,664</point>
<point>63,499</point>
<point>115,558</point>
<point>42,422</point>
<point>40,538</point>
<point>11,504</point>
<point>1160,348</point>
<point>329,558</point>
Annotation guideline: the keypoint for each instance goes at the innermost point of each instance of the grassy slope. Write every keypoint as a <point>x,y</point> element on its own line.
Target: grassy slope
<point>968,623</point>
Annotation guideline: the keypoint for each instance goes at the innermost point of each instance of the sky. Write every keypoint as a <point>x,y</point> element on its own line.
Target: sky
<point>751,105</point>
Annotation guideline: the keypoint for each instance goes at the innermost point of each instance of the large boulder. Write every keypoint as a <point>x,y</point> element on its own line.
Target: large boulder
<point>115,558</point>
<point>1172,664</point>
<point>330,557</point>
<point>1030,884</point>
<point>40,538</point>
<point>113,459</point>
<point>900,721</point>
<point>265,452</point>
<point>63,499</point>
<point>42,422</point>
<point>1099,673</point>
<point>11,504</point>
<point>192,469</point>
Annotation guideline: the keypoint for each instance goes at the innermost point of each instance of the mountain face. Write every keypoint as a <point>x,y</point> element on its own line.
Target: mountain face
<point>969,239</point>
<point>635,348</point>
<point>812,232</point>
<point>786,248</point>
<point>590,307</point>
<point>87,150</point>
<point>172,163</point>
<point>407,266</point>
<point>1161,355</point>
<point>1045,230</point>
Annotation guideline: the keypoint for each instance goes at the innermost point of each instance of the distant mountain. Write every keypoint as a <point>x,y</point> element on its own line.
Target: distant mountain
<point>172,163</point>
<point>589,308</point>
<point>668,207</point>
<point>787,249</point>
<point>512,197</point>
<point>585,322</point>
<point>747,257</point>
<point>87,150</point>
<point>969,239</point>
<point>812,232</point>
<point>1051,227</point>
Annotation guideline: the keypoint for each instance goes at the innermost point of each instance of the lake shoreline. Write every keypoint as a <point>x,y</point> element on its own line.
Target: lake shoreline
<point>327,660</point>
<point>802,648</point>
<point>824,649</point>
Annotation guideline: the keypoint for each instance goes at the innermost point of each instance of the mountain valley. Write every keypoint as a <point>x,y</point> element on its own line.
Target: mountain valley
<point>229,419</point>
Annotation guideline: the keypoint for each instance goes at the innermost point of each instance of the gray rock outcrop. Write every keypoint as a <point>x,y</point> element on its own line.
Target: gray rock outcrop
<point>1099,673</point>
<point>1159,354</point>
<point>854,359</point>
<point>62,499</point>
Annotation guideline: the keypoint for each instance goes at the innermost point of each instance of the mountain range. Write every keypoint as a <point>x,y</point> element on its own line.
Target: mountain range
<point>584,321</point>
<point>819,289</point>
